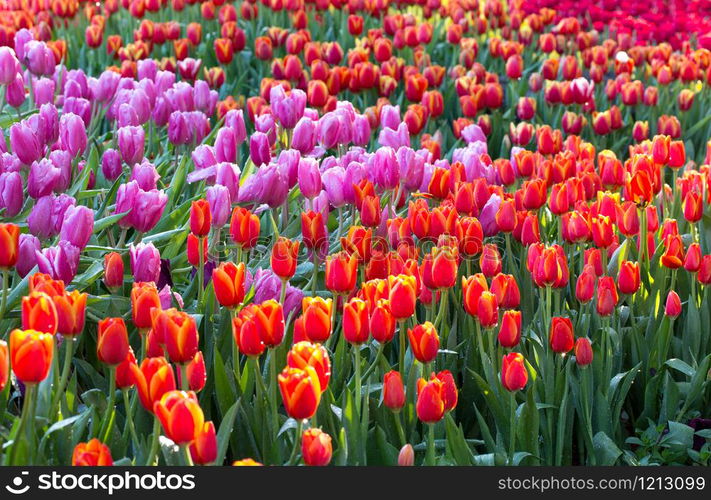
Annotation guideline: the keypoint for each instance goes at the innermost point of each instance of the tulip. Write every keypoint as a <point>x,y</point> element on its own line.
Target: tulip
<point>406,457</point>
<point>228,282</point>
<point>704,274</point>
<point>490,260</point>
<point>382,322</point>
<point>424,342</point>
<point>177,330</point>
<point>673,257</point>
<point>125,370</point>
<point>284,258</point>
<point>153,378</point>
<point>31,355</point>
<point>513,372</point>
<point>393,391</point>
<point>200,218</point>
<point>9,246</point>
<point>180,415</point>
<point>672,307</point>
<point>472,288</point>
<point>430,400</point>
<point>145,262</point>
<point>218,197</point>
<point>25,143</point>
<point>72,132</point>
<point>606,296</point>
<point>246,335</point>
<point>510,330</point>
<point>402,296</point>
<point>71,308</point>
<point>693,207</point>
<point>301,391</point>
<point>303,354</point>
<point>487,309</point>
<point>628,279</point>
<point>11,193</point>
<point>112,341</point>
<point>316,448</point>
<point>77,225</point>
<point>583,352</point>
<point>341,269</point>
<point>244,228</point>
<point>92,454</point>
<point>692,261</point>
<point>144,298</point>
<point>316,318</point>
<point>131,143</point>
<point>203,450</point>
<point>39,313</point>
<point>113,271</point>
<point>561,335</point>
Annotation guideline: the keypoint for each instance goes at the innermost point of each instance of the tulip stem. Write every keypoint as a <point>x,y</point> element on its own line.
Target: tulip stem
<point>297,442</point>
<point>372,366</point>
<point>201,272</point>
<point>273,390</point>
<point>5,286</point>
<point>512,428</point>
<point>356,361</point>
<point>26,419</point>
<point>261,388</point>
<point>282,295</point>
<point>430,458</point>
<point>154,441</point>
<point>400,430</point>
<point>68,356</point>
<point>185,451</point>
<point>184,382</point>
<point>401,334</point>
<point>314,277</point>
<point>129,419</point>
<point>108,423</point>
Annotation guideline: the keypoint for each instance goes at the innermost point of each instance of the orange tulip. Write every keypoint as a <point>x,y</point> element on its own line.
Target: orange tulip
<point>628,279</point>
<point>200,218</point>
<point>246,334</point>
<point>316,318</point>
<point>244,228</point>
<point>181,416</point>
<point>472,288</point>
<point>203,449</point>
<point>71,310</point>
<point>112,342</point>
<point>40,282</point>
<point>300,391</point>
<point>284,257</point>
<point>9,245</point>
<point>228,282</point>
<point>153,378</point>
<point>341,269</point>
<point>424,342</point>
<point>113,271</point>
<point>4,364</point>
<point>393,391</point>
<point>490,260</point>
<point>39,313</point>
<point>487,311</point>
<point>513,372</point>
<point>125,371</point>
<point>177,330</point>
<point>510,331</point>
<point>193,246</point>
<point>355,321</point>
<point>402,296</point>
<point>246,462</point>
<point>382,322</point>
<point>316,448</point>
<point>430,400</point>
<point>31,355</point>
<point>94,453</point>
<point>144,298</point>
<point>673,256</point>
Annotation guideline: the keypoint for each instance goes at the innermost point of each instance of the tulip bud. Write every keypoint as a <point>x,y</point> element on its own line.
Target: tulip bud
<point>112,341</point>
<point>406,457</point>
<point>9,245</point>
<point>92,454</point>
<point>393,391</point>
<point>200,218</point>
<point>513,372</point>
<point>424,342</point>
<point>316,448</point>
<point>113,271</point>
<point>145,262</point>
<point>583,352</point>
<point>561,335</point>
<point>39,313</point>
<point>672,307</point>
<point>180,415</point>
<point>300,391</point>
<point>510,331</point>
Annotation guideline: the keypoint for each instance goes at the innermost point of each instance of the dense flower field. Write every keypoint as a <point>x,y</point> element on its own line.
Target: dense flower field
<point>369,232</point>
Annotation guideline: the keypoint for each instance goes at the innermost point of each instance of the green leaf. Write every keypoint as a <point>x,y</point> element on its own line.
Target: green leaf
<point>223,434</point>
<point>606,451</point>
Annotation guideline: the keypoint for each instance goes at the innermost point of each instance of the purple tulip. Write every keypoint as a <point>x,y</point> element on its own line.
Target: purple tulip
<point>149,88</point>
<point>201,95</point>
<point>111,164</point>
<point>21,38</point>
<point>15,92</point>
<point>178,129</point>
<point>395,138</point>
<point>328,130</point>
<point>304,138</point>
<point>411,168</point>
<point>43,178</point>
<point>288,109</point>
<point>78,225</point>
<point>11,196</point>
<point>126,116</point>
<point>47,215</point>
<point>333,180</point>
<point>234,119</point>
<point>204,156</point>
<point>9,162</point>
<point>50,117</point>
<point>361,130</point>
<point>473,133</point>
<point>355,172</point>
<point>63,161</point>
<point>72,89</point>
<point>72,133</point>
<point>164,80</point>
<point>146,175</point>
<point>487,217</point>
<point>81,82</point>
<point>227,174</point>
<point>131,143</point>
<point>390,117</point>
<point>288,164</point>
<point>91,181</point>
<point>167,295</point>
<point>125,199</point>
<point>24,143</point>
<point>266,186</point>
<point>60,262</point>
<point>38,58</point>
<point>181,97</point>
<point>267,285</point>
<point>26,257</point>
<point>384,166</point>
<point>218,197</point>
<point>146,68</point>
<point>226,145</point>
<point>104,88</point>
<point>148,208</point>
<point>319,203</point>
<point>9,65</point>
<point>142,104</point>
<point>309,177</point>
<point>145,262</point>
<point>44,90</point>
<point>161,111</point>
<point>259,149</point>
